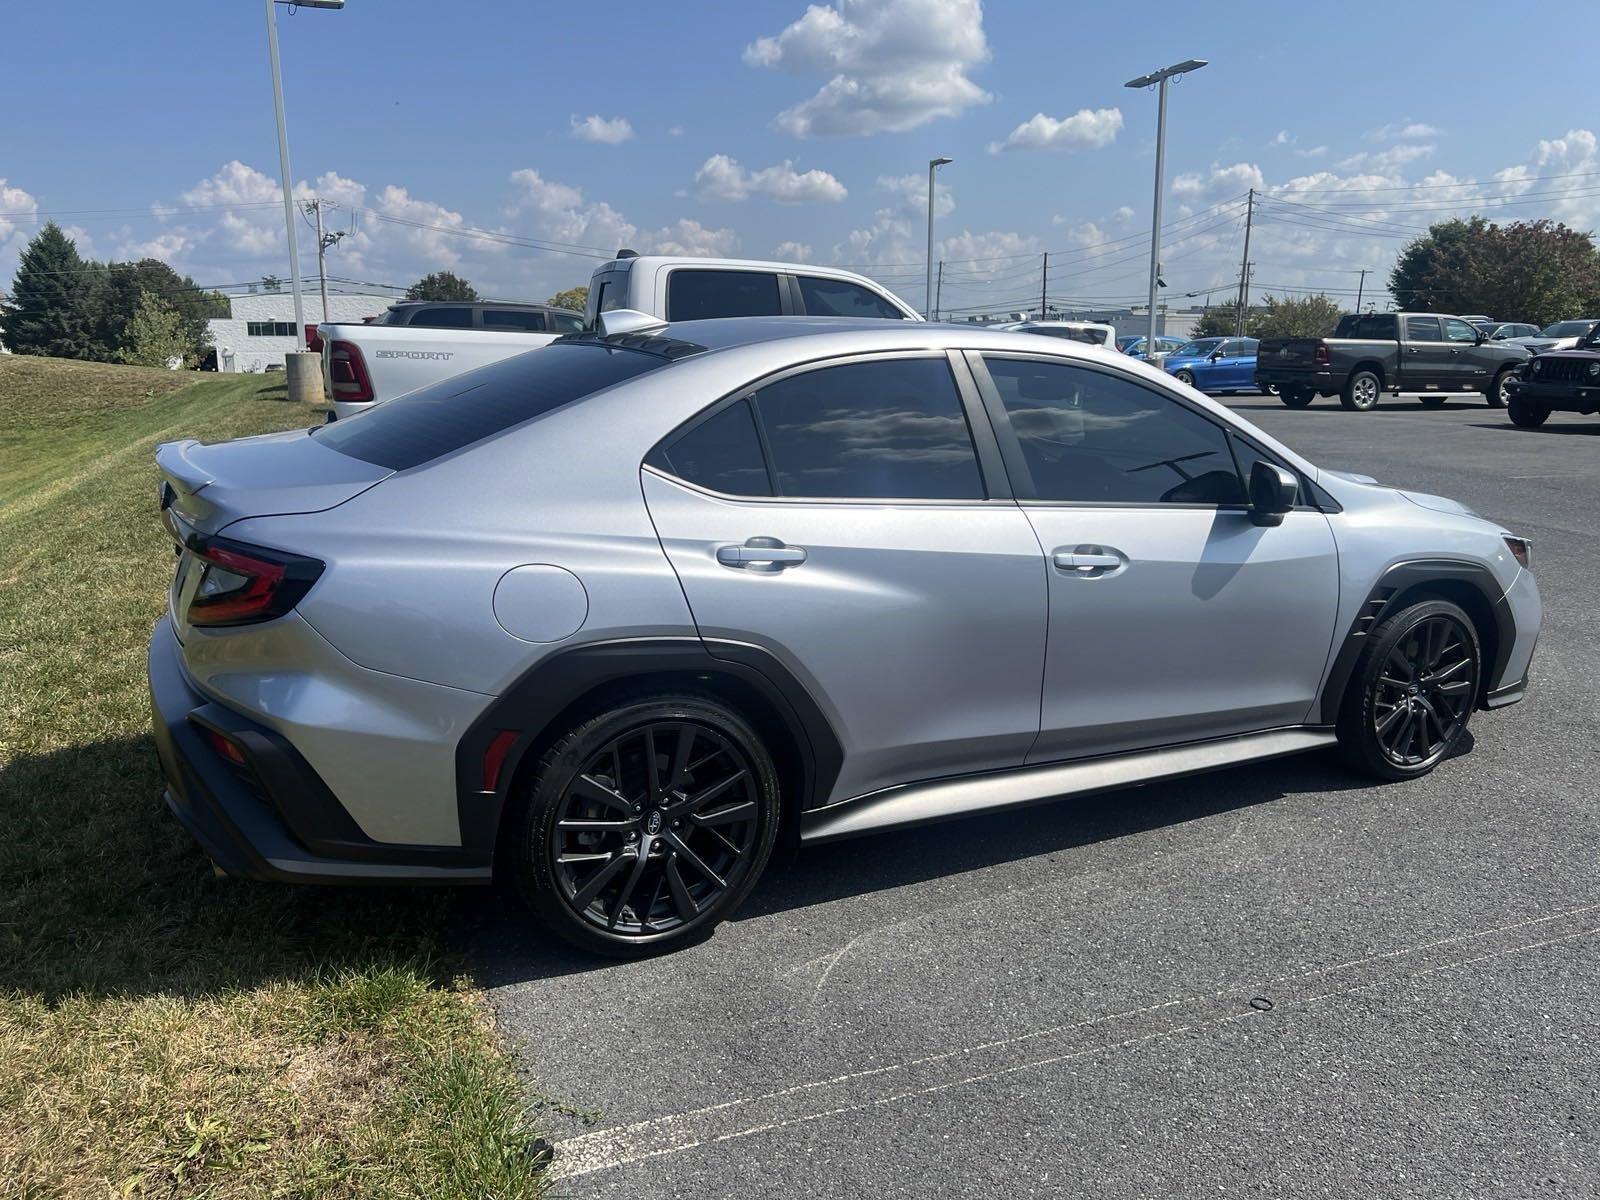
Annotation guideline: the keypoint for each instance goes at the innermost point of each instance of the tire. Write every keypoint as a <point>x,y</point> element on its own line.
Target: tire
<point>633,841</point>
<point>1270,390</point>
<point>1497,394</point>
<point>1412,692</point>
<point>1297,397</point>
<point>1433,401</point>
<point>1361,391</point>
<point>1527,413</point>
<point>1185,377</point>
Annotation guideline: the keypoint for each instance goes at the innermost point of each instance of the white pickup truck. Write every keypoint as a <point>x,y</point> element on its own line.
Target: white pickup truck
<point>365,364</point>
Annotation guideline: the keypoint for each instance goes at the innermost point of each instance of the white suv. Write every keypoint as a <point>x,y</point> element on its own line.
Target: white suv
<point>694,289</point>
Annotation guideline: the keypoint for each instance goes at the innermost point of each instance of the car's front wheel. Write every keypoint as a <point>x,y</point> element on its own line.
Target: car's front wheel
<point>1185,377</point>
<point>1498,392</point>
<point>1527,413</point>
<point>1412,692</point>
<point>646,825</point>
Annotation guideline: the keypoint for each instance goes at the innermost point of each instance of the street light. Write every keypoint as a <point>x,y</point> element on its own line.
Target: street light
<point>927,299</point>
<point>1160,77</point>
<point>283,155</point>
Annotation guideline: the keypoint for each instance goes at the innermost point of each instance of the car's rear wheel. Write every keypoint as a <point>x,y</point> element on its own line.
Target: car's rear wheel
<point>1527,413</point>
<point>1498,393</point>
<point>1412,692</point>
<point>1361,391</point>
<point>1184,377</point>
<point>1433,401</point>
<point>1296,397</point>
<point>645,826</point>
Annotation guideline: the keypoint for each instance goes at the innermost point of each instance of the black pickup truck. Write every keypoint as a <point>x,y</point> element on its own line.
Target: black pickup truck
<point>1557,381</point>
<point>1373,353</point>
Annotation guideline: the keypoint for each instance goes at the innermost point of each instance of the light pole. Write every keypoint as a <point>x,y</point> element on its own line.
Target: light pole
<point>1160,78</point>
<point>927,296</point>
<point>283,155</point>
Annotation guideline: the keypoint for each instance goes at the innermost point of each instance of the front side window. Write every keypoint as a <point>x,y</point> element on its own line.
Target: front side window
<point>443,318</point>
<point>1094,438</point>
<point>890,429</point>
<point>838,298</point>
<point>566,322</point>
<point>1198,349</point>
<point>1459,331</point>
<point>694,295</point>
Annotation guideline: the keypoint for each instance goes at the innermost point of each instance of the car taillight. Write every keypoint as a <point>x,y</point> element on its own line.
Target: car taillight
<point>347,372</point>
<point>241,585</point>
<point>1320,356</point>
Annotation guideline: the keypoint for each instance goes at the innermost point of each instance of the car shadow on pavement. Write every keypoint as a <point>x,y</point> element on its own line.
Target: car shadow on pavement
<point>1590,428</point>
<point>518,953</point>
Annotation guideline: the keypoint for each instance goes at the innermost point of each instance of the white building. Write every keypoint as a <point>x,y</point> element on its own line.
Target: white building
<point>260,329</point>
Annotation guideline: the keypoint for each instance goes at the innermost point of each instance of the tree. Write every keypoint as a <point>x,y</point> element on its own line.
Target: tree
<point>574,298</point>
<point>441,285</point>
<point>45,314</point>
<point>1302,316</point>
<point>114,297</point>
<point>271,283</point>
<point>155,334</point>
<point>1221,320</point>
<point>1535,271</point>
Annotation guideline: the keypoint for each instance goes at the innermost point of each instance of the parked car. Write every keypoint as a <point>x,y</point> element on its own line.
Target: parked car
<point>1090,333</point>
<point>1225,365</point>
<point>1133,345</point>
<point>618,617</point>
<point>1499,331</point>
<point>1557,381</point>
<point>1562,335</point>
<point>502,316</point>
<point>365,364</point>
<point>1373,353</point>
<point>693,289</point>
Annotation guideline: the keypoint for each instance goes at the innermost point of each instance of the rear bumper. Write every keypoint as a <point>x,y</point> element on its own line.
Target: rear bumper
<point>1322,382</point>
<point>272,817</point>
<point>1558,397</point>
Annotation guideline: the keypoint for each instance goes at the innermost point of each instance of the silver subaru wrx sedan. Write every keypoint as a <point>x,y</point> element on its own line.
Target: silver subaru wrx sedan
<point>616,615</point>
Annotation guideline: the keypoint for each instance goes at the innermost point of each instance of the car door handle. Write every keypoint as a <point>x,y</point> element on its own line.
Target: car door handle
<point>1086,562</point>
<point>761,554</point>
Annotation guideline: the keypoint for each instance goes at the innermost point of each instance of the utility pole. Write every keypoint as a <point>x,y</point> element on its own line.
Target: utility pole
<point>927,296</point>
<point>938,292</point>
<point>1044,284</point>
<point>1361,287</point>
<point>1244,265</point>
<point>325,242</point>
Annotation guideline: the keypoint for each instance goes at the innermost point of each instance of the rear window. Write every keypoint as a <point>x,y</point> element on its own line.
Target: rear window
<point>513,318</point>
<point>694,295</point>
<point>443,318</point>
<point>1367,325</point>
<point>432,421</point>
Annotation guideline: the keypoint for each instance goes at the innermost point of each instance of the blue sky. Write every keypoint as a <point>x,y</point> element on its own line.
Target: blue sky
<point>766,128</point>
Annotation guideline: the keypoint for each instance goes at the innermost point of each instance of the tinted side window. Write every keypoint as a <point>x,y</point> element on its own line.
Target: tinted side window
<point>1378,326</point>
<point>443,318</point>
<point>836,298</point>
<point>1423,329</point>
<point>1459,331</point>
<point>699,295</point>
<point>1100,439</point>
<point>1247,455</point>
<point>514,319</point>
<point>566,322</point>
<point>722,453</point>
<point>893,429</point>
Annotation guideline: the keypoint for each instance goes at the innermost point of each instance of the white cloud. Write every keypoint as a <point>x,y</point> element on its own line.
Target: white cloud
<point>1406,130</point>
<point>17,208</point>
<point>1387,160</point>
<point>722,178</point>
<point>1086,129</point>
<point>561,213</point>
<point>912,193</point>
<point>792,252</point>
<point>244,198</point>
<point>1312,152</point>
<point>690,237</point>
<point>1283,138</point>
<point>892,65</point>
<point>1217,183</point>
<point>611,131</point>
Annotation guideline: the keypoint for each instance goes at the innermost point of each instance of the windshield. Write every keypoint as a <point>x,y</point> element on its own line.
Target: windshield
<point>1198,349</point>
<point>1567,329</point>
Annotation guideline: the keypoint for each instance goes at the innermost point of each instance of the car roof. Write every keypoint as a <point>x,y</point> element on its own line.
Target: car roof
<point>725,333</point>
<point>518,304</point>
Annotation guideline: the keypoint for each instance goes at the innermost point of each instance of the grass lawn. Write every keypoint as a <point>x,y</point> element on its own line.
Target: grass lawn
<point>164,1032</point>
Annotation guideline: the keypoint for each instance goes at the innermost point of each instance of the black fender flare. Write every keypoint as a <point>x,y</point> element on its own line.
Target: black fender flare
<point>1382,602</point>
<point>526,709</point>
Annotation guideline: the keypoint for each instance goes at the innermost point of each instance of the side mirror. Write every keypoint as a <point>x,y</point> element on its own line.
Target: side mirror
<point>1215,354</point>
<point>1272,493</point>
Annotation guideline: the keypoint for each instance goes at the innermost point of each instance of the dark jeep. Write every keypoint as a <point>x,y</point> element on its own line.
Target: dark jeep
<point>1557,381</point>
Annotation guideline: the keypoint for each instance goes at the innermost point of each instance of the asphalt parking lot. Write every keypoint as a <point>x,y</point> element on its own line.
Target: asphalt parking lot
<point>1278,980</point>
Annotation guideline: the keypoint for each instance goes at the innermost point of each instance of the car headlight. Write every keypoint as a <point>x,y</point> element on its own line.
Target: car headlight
<point>1594,368</point>
<point>1535,367</point>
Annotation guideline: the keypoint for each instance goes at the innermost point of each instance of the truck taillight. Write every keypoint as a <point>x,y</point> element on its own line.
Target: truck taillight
<point>347,372</point>
<point>240,584</point>
<point>1320,356</point>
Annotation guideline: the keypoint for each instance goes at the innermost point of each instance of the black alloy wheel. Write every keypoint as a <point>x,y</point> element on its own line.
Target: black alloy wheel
<point>649,824</point>
<point>1418,682</point>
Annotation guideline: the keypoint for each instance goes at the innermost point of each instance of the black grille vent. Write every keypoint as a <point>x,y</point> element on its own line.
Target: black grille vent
<point>1566,370</point>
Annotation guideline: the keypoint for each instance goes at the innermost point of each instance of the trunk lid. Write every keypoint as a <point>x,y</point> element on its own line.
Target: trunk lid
<point>276,474</point>
<point>1287,352</point>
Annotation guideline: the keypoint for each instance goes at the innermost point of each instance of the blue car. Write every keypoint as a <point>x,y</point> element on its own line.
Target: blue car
<point>1133,345</point>
<point>1216,364</point>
